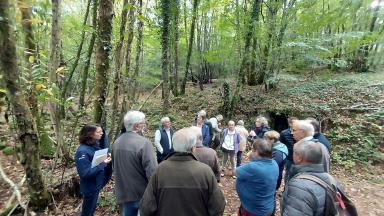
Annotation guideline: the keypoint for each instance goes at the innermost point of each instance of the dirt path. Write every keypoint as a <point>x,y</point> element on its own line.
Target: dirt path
<point>366,189</point>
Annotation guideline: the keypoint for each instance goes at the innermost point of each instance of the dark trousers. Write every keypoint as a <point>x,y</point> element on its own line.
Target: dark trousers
<point>89,203</point>
<point>239,158</point>
<point>215,142</point>
<point>131,208</point>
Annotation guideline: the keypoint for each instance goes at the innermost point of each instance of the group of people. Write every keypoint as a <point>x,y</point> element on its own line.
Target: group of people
<point>182,177</point>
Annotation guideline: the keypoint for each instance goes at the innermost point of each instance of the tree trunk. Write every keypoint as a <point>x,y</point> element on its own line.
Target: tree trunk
<point>176,49</point>
<point>138,51</point>
<point>244,63</point>
<point>31,60</point>
<point>165,12</point>
<point>191,36</point>
<point>28,136</point>
<point>118,63</point>
<point>103,48</point>
<point>126,80</point>
<point>84,76</point>
<point>55,112</point>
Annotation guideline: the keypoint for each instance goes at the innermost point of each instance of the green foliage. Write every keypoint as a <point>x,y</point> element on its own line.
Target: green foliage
<point>2,146</point>
<point>9,150</point>
<point>359,143</point>
<point>108,199</point>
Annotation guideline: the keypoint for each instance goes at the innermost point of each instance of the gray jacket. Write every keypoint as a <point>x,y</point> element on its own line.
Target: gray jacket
<point>134,162</point>
<point>302,196</point>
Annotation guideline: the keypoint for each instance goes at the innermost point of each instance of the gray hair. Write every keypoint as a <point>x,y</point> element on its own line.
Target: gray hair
<point>166,118</point>
<point>309,150</point>
<point>263,148</point>
<point>183,140</point>
<point>231,122</point>
<point>219,117</point>
<point>240,122</point>
<point>202,113</point>
<point>263,120</point>
<point>199,136</point>
<point>131,118</point>
<point>306,126</point>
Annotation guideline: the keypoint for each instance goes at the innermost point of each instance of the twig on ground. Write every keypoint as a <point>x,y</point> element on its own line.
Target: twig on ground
<point>153,90</point>
<point>13,186</point>
<point>10,201</point>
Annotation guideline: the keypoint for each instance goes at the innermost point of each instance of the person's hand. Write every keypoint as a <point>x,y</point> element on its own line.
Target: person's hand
<point>108,159</point>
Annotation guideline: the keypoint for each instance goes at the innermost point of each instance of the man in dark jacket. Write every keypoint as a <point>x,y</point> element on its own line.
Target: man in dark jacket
<point>286,137</point>
<point>163,139</point>
<point>134,162</point>
<point>303,196</point>
<point>318,135</point>
<point>181,185</point>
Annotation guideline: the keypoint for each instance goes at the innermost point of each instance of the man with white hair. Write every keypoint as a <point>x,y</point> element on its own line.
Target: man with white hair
<point>134,163</point>
<point>303,131</point>
<point>181,185</point>
<point>163,139</point>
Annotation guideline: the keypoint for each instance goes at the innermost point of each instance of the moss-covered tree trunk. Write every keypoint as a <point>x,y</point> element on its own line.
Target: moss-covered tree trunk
<point>103,49</point>
<point>32,61</point>
<point>165,14</point>
<point>27,134</point>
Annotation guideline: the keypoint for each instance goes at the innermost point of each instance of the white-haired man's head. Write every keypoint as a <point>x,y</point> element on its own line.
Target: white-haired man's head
<point>184,140</point>
<point>302,129</point>
<point>134,121</point>
<point>307,152</point>
<point>165,122</point>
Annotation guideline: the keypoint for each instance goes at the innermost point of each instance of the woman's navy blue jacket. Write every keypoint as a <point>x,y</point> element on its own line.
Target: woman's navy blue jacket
<point>92,179</point>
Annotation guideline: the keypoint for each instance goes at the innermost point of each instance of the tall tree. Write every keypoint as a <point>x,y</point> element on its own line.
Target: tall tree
<point>31,59</point>
<point>245,61</point>
<point>166,13</point>
<point>126,80</point>
<point>103,48</point>
<point>55,58</point>
<point>118,63</point>
<point>190,45</point>
<point>27,133</point>
<point>139,49</point>
<point>84,74</point>
<point>176,13</point>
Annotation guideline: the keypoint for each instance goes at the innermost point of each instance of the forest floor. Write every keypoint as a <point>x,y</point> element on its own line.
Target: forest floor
<point>336,99</point>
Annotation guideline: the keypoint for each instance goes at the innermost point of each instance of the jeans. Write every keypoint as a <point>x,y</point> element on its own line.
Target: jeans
<point>288,166</point>
<point>231,158</point>
<point>131,208</point>
<point>239,158</point>
<point>89,203</point>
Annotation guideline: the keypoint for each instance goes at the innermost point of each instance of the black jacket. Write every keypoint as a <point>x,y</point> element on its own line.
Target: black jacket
<point>286,137</point>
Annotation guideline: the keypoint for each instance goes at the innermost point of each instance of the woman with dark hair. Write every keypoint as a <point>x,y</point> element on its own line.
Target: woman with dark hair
<point>92,179</point>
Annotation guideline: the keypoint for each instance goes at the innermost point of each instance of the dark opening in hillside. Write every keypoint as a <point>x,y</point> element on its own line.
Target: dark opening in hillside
<point>278,121</point>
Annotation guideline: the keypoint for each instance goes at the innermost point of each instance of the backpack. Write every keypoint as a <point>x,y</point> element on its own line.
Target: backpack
<point>336,201</point>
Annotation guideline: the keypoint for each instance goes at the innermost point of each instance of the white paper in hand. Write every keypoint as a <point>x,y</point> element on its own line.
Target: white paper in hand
<point>99,157</point>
